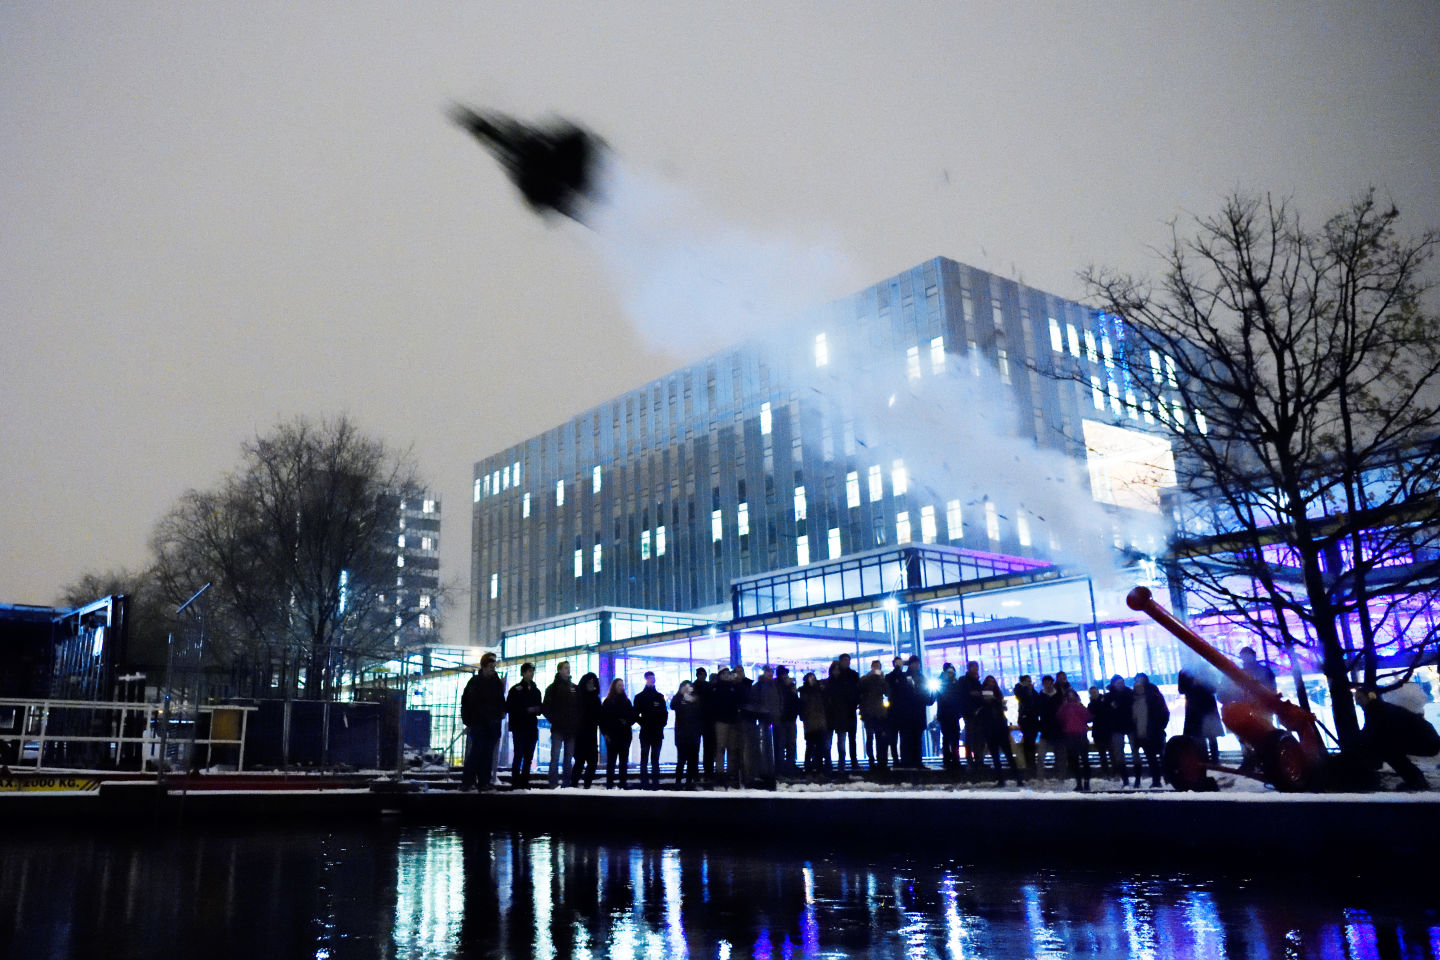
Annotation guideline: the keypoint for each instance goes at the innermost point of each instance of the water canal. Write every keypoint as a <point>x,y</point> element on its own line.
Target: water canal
<point>424,892</point>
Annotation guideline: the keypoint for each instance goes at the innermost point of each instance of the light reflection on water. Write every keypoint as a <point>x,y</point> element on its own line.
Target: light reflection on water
<point>431,893</point>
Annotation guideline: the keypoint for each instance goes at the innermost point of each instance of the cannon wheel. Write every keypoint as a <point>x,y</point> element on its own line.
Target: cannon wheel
<point>1283,763</point>
<point>1185,764</point>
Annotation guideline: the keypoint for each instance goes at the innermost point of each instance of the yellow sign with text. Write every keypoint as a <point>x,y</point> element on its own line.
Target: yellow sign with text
<point>35,782</point>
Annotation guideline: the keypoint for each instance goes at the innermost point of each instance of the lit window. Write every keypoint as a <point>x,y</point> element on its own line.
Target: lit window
<point>427,543</point>
<point>514,475</point>
<point>954,522</point>
<point>927,524</point>
<point>899,478</point>
<point>595,478</point>
<point>1145,409</point>
<point>1105,349</point>
<point>902,527</point>
<point>992,521</point>
<point>1022,529</point>
<point>477,490</point>
<point>972,350</point>
<point>429,505</point>
<point>876,484</point>
<point>399,561</point>
<point>1170,372</point>
<point>645,545</point>
<point>400,541</point>
<point>1057,339</point>
<point>1090,352</point>
<point>765,419</point>
<point>802,550</point>
<point>1162,411</point>
<point>1130,408</point>
<point>525,506</point>
<point>1200,422</point>
<point>659,541</point>
<point>1073,336</point>
<point>822,350</point>
<point>425,601</point>
<point>1097,393</point>
<point>852,489</point>
<point>559,493</point>
<point>399,621</point>
<point>1179,417</point>
<point>484,484</point>
<point>1002,357</point>
<point>424,622</point>
<point>505,477</point>
<point>579,562</point>
<point>937,355</point>
<point>800,503</point>
<point>1114,396</point>
<point>495,482</point>
<point>1155,366</point>
<point>716,528</point>
<point>598,556</point>
<point>912,363</point>
<point>742,519</point>
<point>834,543</point>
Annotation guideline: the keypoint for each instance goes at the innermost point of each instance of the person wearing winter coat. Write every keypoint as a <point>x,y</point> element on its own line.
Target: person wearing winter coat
<point>1152,715</point>
<point>907,712</point>
<point>1202,713</point>
<point>1073,718</point>
<point>1118,706</point>
<point>760,710</point>
<point>617,720</point>
<point>523,705</point>
<point>1099,729</point>
<point>967,692</point>
<point>1047,706</point>
<point>847,702</point>
<point>949,707</point>
<point>873,687</point>
<point>785,722</point>
<point>1027,718</point>
<point>702,688</point>
<point>587,730</point>
<point>1393,734</point>
<point>482,707</point>
<point>725,707</point>
<point>839,714</point>
<point>996,729</point>
<point>893,681</point>
<point>651,713</point>
<point>561,707</point>
<point>814,717</point>
<point>689,721</point>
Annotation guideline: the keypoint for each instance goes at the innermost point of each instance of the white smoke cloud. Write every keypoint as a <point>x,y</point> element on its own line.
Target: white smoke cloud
<point>695,283</point>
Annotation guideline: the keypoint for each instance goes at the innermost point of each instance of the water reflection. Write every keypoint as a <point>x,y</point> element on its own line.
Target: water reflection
<point>441,893</point>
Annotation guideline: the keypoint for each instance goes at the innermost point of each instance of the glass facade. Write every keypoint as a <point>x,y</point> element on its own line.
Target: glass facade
<point>729,469</point>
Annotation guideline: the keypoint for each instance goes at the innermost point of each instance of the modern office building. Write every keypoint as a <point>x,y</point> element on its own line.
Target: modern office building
<point>856,477</point>
<point>415,603</point>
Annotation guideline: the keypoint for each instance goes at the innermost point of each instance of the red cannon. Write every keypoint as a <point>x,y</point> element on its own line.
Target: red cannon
<point>1291,759</point>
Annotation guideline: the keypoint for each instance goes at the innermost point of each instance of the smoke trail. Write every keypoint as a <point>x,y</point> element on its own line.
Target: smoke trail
<point>694,283</point>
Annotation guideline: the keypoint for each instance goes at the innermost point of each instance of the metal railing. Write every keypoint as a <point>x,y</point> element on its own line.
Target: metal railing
<point>109,728</point>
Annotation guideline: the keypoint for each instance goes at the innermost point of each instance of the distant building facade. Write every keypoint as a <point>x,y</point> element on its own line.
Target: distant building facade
<point>724,469</point>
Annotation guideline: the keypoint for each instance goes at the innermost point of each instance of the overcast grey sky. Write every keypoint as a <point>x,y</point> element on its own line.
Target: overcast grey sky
<point>217,216</point>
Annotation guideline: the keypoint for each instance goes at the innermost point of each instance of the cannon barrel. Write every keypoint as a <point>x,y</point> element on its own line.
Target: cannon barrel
<point>1299,721</point>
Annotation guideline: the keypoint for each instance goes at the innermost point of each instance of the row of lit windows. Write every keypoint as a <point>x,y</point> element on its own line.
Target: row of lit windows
<point>1162,367</point>
<point>1171,414</point>
<point>492,483</point>
<point>426,543</point>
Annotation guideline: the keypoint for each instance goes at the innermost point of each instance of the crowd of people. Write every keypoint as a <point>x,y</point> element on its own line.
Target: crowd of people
<point>732,730</point>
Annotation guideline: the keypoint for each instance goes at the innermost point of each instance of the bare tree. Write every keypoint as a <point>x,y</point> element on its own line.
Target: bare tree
<point>1298,376</point>
<point>299,543</point>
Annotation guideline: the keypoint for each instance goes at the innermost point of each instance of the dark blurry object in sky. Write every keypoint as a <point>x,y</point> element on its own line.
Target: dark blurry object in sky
<point>556,167</point>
